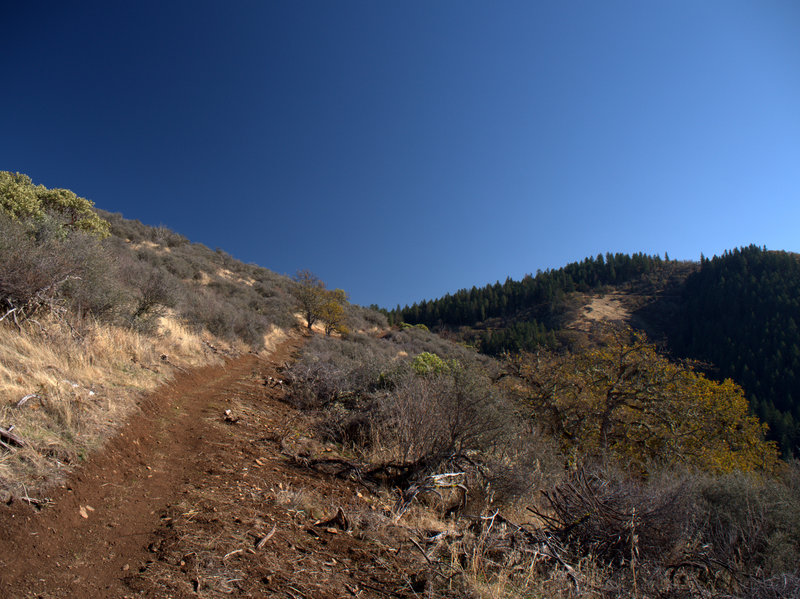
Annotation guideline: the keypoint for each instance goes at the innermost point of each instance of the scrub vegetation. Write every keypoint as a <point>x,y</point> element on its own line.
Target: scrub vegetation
<point>604,472</point>
<point>557,463</point>
<point>96,309</point>
<point>737,314</point>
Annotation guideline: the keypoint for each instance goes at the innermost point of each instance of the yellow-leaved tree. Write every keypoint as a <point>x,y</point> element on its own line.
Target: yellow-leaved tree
<point>332,312</point>
<point>626,401</point>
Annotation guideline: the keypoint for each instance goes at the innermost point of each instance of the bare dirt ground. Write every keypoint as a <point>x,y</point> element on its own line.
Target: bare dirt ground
<point>188,501</point>
<point>608,307</point>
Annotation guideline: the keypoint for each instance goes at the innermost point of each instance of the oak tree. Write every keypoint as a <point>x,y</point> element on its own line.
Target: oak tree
<point>310,293</point>
<point>627,401</point>
<point>332,312</point>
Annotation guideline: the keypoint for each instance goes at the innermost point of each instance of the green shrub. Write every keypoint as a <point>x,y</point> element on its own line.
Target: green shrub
<point>21,199</point>
<point>428,363</point>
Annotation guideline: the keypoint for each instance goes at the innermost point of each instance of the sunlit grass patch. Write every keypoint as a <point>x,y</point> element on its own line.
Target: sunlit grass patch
<point>81,384</point>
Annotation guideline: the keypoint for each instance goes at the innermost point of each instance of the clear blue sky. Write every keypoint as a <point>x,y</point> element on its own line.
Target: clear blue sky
<point>402,150</point>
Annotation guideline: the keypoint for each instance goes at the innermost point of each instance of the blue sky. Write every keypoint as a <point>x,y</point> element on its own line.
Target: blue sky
<point>403,150</point>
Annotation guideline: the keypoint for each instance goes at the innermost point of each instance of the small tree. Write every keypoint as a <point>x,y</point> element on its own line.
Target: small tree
<point>18,196</point>
<point>155,294</point>
<point>332,312</point>
<point>311,294</point>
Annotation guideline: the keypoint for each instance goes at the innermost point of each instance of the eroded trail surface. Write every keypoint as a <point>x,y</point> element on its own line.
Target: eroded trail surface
<point>188,501</point>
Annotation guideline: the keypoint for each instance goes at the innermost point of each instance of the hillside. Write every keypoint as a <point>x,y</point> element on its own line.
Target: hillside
<point>97,309</point>
<point>739,314</point>
<point>735,313</point>
<point>177,423</point>
<point>538,310</point>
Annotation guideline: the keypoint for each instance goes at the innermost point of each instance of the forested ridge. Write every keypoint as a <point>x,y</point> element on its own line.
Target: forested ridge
<point>740,313</point>
<point>530,309</point>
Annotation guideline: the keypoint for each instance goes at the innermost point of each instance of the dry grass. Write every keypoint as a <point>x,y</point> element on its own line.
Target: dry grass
<point>86,385</point>
<point>273,338</point>
<point>317,327</point>
<point>300,501</point>
<point>224,273</point>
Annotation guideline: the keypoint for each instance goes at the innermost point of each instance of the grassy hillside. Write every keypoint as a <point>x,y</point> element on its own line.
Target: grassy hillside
<point>96,310</point>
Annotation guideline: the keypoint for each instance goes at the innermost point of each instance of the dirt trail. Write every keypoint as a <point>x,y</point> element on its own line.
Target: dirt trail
<point>176,504</point>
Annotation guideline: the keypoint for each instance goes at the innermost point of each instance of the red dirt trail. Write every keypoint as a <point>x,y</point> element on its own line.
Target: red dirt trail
<point>175,506</point>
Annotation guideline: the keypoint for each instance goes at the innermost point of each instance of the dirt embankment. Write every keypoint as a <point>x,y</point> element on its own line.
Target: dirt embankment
<point>190,501</point>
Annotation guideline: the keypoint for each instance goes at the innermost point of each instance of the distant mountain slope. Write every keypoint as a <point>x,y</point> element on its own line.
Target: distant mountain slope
<point>739,313</point>
<point>522,315</point>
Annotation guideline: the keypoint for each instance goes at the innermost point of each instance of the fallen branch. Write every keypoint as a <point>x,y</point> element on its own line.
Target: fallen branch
<point>25,399</point>
<point>31,500</point>
<point>422,551</point>
<point>11,312</point>
<point>569,569</point>
<point>10,437</point>
<point>263,540</point>
<point>230,553</point>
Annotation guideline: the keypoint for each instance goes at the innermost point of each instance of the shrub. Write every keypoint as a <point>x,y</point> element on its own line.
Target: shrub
<point>333,369</point>
<point>33,273</point>
<point>366,318</point>
<point>428,363</point>
<point>678,534</point>
<point>21,199</point>
<point>98,291</point>
<point>437,417</point>
<point>751,524</point>
<point>412,418</point>
<point>45,269</point>
<point>404,326</point>
<point>415,340</point>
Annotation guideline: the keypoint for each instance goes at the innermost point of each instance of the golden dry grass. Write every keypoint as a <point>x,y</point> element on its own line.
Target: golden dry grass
<point>317,327</point>
<point>86,386</point>
<point>274,337</point>
<point>224,273</point>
